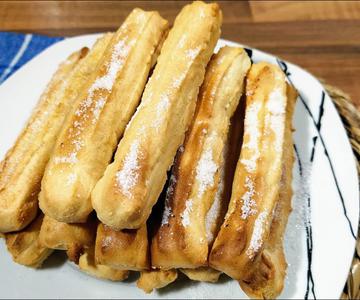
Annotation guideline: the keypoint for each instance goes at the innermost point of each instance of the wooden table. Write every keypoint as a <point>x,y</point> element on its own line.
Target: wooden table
<point>322,36</point>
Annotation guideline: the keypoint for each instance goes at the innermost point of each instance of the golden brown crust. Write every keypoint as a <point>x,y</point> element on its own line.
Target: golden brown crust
<point>202,274</point>
<point>155,279</point>
<point>104,107</point>
<point>266,279</point>
<point>131,185</point>
<point>87,264</point>
<point>257,178</point>
<point>24,245</point>
<point>190,219</point>
<point>74,238</point>
<point>23,166</point>
<point>127,249</point>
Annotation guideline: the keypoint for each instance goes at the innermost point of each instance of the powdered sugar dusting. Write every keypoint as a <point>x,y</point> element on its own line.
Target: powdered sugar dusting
<point>127,177</point>
<point>70,159</point>
<point>90,108</point>
<point>192,53</point>
<point>251,121</point>
<point>182,41</point>
<point>276,102</point>
<point>106,82</point>
<point>163,104</point>
<point>107,241</point>
<point>166,215</point>
<point>302,194</point>
<point>177,81</point>
<point>161,108</point>
<point>78,144</point>
<point>256,238</point>
<point>299,220</point>
<point>185,216</point>
<point>248,204</point>
<point>205,171</point>
<point>276,117</point>
<point>252,135</point>
<point>37,124</point>
<point>98,107</point>
<point>71,179</point>
<point>214,211</point>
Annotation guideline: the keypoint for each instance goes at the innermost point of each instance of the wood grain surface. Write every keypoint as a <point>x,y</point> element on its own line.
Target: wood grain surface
<point>321,36</point>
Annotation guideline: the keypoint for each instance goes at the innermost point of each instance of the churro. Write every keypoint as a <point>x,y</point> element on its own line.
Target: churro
<point>257,178</point>
<point>23,167</point>
<point>131,185</point>
<point>194,200</point>
<point>267,276</point>
<point>88,265</point>
<point>73,238</point>
<point>124,249</point>
<point>24,246</point>
<point>155,279</point>
<point>105,105</point>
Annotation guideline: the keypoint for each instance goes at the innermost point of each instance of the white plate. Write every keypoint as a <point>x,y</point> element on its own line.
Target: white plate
<point>320,237</point>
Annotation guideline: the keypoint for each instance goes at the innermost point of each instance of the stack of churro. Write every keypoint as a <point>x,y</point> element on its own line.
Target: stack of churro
<point>107,139</point>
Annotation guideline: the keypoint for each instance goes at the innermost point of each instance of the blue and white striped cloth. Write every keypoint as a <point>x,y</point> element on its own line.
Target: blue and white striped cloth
<point>16,49</point>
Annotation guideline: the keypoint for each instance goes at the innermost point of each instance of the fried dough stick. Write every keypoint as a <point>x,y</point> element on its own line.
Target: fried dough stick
<point>24,246</point>
<point>131,185</point>
<point>23,167</point>
<point>194,202</point>
<point>257,179</point>
<point>105,105</point>
<point>266,279</point>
